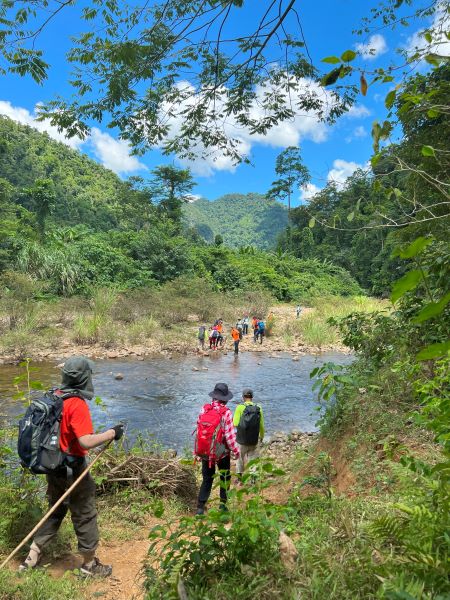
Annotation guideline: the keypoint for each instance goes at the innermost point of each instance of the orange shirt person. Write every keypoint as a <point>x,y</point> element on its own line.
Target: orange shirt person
<point>236,339</point>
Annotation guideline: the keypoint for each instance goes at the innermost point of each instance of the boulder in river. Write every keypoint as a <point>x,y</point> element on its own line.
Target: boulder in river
<point>118,376</point>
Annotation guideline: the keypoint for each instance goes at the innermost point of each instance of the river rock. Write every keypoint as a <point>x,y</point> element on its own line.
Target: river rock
<point>195,369</point>
<point>118,376</point>
<point>140,358</point>
<point>295,359</point>
<point>288,551</point>
<point>111,354</point>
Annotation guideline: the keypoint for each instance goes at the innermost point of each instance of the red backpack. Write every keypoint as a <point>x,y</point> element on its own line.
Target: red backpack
<point>210,436</point>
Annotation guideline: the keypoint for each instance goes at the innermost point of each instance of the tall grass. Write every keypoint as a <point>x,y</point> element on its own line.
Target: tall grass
<point>142,329</point>
<point>312,328</point>
<point>337,306</point>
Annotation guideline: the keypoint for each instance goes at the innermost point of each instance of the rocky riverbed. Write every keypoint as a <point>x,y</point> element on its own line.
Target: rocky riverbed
<point>281,446</point>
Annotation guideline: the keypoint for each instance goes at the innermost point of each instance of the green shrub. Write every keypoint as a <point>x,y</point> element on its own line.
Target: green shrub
<point>206,553</point>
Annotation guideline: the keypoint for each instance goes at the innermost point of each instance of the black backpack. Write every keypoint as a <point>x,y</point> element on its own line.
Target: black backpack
<point>39,432</point>
<point>248,428</point>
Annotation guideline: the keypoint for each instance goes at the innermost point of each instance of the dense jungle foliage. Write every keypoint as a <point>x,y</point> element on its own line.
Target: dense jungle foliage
<point>74,225</point>
<point>241,220</point>
<point>359,226</point>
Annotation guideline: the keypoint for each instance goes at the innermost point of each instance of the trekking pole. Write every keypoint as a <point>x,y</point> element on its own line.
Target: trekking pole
<point>55,506</point>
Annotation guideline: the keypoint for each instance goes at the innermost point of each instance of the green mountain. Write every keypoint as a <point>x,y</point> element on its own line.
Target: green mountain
<point>242,220</point>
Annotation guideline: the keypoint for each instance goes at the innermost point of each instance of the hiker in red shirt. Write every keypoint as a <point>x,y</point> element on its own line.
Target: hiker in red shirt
<point>76,438</point>
<point>228,445</point>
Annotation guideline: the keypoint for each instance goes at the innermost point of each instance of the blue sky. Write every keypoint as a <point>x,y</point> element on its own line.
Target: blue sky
<point>329,152</point>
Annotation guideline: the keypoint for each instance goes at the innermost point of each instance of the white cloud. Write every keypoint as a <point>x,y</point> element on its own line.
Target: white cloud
<point>440,44</point>
<point>308,190</point>
<point>357,111</point>
<point>289,133</point>
<point>24,116</point>
<point>341,170</point>
<point>374,47</point>
<point>190,198</point>
<point>114,154</point>
<point>358,133</point>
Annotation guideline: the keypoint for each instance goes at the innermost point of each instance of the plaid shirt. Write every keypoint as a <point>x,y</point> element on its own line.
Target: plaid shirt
<point>228,427</point>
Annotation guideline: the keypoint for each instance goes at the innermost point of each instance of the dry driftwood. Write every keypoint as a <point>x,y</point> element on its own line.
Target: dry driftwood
<point>162,476</point>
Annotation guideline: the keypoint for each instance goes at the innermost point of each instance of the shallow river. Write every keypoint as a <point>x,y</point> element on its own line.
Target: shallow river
<point>163,396</point>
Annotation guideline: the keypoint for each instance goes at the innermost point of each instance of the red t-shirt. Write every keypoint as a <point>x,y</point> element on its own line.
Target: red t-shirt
<point>76,421</point>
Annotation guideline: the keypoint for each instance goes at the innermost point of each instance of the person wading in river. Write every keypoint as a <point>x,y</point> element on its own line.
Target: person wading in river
<point>215,441</point>
<point>236,339</point>
<point>249,422</point>
<point>76,438</point>
<point>201,336</point>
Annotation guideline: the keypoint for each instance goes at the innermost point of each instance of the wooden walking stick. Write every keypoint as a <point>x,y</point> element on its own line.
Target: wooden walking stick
<point>55,506</point>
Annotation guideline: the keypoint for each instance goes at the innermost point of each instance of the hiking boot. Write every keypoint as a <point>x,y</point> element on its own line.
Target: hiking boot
<point>200,511</point>
<point>223,507</point>
<point>95,568</point>
<point>33,558</point>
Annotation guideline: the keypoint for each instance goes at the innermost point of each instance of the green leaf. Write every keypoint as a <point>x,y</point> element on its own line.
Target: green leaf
<point>432,309</point>
<point>390,99</point>
<point>36,385</point>
<point>253,534</point>
<point>385,130</point>
<point>331,77</point>
<point>333,60</point>
<point>432,113</point>
<point>406,283</point>
<point>351,216</point>
<point>158,510</point>
<point>428,151</point>
<point>414,248</point>
<point>348,56</point>
<point>427,35</point>
<point>434,351</point>
<point>312,222</point>
<point>374,161</point>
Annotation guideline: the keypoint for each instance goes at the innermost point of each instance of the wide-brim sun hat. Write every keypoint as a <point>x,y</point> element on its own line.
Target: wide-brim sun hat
<point>221,392</point>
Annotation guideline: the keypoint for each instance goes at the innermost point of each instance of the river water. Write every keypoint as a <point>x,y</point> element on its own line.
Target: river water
<point>162,397</point>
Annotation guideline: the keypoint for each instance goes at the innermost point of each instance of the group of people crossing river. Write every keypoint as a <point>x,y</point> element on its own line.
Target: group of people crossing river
<point>56,434</point>
<point>217,337</point>
<point>57,443</point>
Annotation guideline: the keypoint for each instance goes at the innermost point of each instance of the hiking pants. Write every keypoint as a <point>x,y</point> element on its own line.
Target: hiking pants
<point>208,473</point>
<point>246,453</point>
<point>245,329</point>
<point>81,503</point>
<point>255,335</point>
<point>261,335</point>
<point>236,347</point>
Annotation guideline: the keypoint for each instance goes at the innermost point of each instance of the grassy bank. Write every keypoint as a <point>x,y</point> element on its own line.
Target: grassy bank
<point>152,319</point>
<point>313,328</point>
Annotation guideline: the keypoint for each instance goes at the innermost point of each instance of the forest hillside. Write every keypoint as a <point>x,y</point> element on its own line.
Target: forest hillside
<point>241,220</point>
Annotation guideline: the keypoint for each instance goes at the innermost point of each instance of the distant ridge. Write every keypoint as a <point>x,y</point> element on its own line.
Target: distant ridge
<point>241,219</point>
